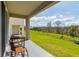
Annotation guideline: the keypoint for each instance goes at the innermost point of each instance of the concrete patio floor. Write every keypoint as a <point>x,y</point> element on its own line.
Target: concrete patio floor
<point>36,51</point>
<point>33,50</point>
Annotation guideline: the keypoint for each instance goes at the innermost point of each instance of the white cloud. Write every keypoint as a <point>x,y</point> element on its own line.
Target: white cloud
<point>43,20</point>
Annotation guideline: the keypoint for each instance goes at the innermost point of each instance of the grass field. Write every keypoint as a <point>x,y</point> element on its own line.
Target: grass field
<point>54,44</point>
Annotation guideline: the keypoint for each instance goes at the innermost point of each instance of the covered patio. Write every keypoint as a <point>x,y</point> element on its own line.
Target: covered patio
<point>25,10</point>
<point>33,50</point>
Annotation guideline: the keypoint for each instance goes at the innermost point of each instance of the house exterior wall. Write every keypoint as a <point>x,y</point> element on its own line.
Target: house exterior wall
<point>0,29</point>
<point>16,22</point>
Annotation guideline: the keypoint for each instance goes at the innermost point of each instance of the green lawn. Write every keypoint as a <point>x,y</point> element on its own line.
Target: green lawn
<point>54,44</point>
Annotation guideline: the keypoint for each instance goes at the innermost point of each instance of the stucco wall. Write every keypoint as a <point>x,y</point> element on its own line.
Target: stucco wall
<point>15,21</point>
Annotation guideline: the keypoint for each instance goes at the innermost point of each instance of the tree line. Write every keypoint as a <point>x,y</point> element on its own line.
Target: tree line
<point>71,30</point>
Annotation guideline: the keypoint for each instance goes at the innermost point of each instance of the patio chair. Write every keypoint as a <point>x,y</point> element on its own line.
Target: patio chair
<point>16,46</point>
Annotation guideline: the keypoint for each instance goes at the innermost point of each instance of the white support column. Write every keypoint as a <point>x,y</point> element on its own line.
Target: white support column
<point>27,28</point>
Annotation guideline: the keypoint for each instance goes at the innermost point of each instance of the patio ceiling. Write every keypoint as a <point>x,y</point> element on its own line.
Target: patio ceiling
<point>22,9</point>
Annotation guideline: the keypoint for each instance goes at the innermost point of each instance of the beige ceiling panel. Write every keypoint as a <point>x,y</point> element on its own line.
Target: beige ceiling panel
<point>22,7</point>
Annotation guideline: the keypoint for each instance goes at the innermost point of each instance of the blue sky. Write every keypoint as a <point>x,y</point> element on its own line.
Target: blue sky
<point>66,12</point>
